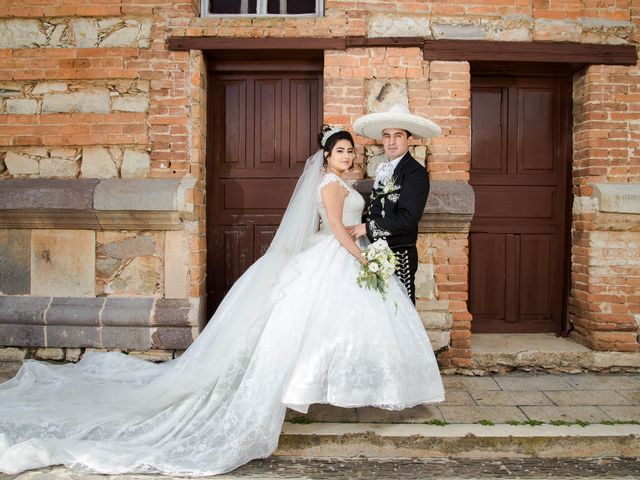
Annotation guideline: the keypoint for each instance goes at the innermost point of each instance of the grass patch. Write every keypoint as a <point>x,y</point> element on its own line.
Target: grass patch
<point>485,422</point>
<point>531,423</point>
<point>620,422</point>
<point>567,423</point>
<point>437,421</point>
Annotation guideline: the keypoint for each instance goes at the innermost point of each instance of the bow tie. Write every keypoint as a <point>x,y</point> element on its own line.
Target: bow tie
<point>383,172</point>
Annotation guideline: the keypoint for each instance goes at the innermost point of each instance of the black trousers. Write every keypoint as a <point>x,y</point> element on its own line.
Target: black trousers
<point>407,268</point>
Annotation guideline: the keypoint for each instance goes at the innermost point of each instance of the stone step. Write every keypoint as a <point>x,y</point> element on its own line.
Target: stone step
<point>377,440</point>
<point>501,353</point>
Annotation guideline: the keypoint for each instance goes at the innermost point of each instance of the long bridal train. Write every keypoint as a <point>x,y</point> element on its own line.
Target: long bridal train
<point>307,335</point>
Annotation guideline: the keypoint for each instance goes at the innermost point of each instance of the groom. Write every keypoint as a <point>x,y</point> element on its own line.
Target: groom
<point>400,189</point>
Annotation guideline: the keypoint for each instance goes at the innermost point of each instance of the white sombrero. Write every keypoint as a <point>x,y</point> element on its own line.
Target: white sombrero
<point>398,116</point>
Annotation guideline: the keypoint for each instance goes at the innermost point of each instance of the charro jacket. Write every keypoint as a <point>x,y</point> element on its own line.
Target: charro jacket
<point>397,206</point>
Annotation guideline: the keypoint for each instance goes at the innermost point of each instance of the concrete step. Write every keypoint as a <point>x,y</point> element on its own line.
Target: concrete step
<point>378,440</point>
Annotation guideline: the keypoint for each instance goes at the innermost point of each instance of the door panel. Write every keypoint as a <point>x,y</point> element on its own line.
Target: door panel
<point>518,234</point>
<point>264,119</point>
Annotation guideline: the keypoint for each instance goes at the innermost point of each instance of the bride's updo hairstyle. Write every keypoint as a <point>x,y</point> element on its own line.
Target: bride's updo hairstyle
<point>328,142</point>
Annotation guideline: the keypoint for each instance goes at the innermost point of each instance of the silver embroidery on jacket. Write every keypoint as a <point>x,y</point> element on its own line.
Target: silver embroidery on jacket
<point>377,232</point>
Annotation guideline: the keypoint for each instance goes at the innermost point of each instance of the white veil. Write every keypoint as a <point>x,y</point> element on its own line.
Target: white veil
<point>114,413</point>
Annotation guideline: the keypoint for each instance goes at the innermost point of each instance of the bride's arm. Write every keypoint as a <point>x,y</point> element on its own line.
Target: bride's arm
<point>333,195</point>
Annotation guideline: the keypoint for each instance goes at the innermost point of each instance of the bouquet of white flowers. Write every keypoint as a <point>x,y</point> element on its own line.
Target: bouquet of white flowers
<point>381,263</point>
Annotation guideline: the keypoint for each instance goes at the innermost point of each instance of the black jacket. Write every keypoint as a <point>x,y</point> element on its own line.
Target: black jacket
<point>394,215</point>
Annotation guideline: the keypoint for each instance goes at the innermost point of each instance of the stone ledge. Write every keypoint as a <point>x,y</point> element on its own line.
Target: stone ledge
<point>89,204</point>
<point>450,206</point>
<point>617,198</point>
<point>100,322</point>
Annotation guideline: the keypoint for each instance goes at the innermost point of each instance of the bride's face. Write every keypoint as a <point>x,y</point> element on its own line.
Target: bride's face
<point>341,157</point>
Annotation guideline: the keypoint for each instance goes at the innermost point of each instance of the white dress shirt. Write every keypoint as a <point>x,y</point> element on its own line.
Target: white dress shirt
<point>385,170</point>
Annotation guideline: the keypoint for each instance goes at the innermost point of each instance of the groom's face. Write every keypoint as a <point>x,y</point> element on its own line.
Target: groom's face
<point>395,142</point>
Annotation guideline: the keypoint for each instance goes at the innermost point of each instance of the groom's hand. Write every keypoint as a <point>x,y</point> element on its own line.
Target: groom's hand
<point>357,231</point>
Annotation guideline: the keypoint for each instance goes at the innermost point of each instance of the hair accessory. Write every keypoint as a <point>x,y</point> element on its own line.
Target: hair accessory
<point>330,132</point>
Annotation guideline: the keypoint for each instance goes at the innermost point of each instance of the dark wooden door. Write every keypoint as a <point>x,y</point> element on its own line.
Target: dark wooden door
<point>518,238</point>
<point>264,118</point>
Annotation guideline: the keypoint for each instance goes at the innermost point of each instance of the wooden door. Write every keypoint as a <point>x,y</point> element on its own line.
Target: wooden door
<point>519,164</point>
<point>264,119</point>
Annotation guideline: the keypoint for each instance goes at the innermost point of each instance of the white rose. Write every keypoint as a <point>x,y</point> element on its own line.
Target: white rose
<point>373,267</point>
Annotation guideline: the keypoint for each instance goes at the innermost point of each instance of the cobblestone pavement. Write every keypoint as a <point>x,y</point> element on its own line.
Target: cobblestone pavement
<point>320,469</point>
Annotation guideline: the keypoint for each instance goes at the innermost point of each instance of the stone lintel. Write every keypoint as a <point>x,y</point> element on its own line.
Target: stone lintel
<point>155,194</point>
<point>89,220</point>
<point>93,204</point>
<point>617,198</point>
<point>47,193</point>
<point>450,206</point>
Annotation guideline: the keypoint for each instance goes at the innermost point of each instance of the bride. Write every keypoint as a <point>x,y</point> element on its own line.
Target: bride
<point>294,330</point>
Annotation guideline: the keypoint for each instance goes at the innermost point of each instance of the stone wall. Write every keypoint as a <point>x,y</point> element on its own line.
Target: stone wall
<point>90,94</point>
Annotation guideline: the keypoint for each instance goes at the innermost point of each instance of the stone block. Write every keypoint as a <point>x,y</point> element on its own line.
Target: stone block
<point>176,265</point>
<point>618,198</point>
<point>86,101</point>
<point>130,33</point>
<point>97,162</point>
<point>63,263</point>
<point>623,413</point>
<point>457,31</point>
<point>439,339</point>
<point>398,26</point>
<point>425,282</point>
<point>381,94</point>
<point>49,354</point>
<point>152,355</point>
<point>140,246</point>
<point>595,397</point>
<point>573,413</point>
<point>149,194</point>
<point>20,164</point>
<point>141,276</point>
<point>48,87</point>
<point>126,338</point>
<point>74,336</point>
<point>74,311</point>
<point>58,167</point>
<point>40,193</point>
<point>534,382</point>
<point>72,354</point>
<point>85,32</point>
<point>450,197</point>
<point>22,106</point>
<point>472,413</point>
<point>418,414</point>
<point>21,33</point>
<point>130,103</point>
<point>16,335</point>
<point>171,338</point>
<point>469,383</point>
<point>12,354</point>
<point>513,398</point>
<point>127,312</point>
<point>23,310</point>
<point>135,164</point>
<point>15,262</point>
<point>602,382</point>
<point>172,312</point>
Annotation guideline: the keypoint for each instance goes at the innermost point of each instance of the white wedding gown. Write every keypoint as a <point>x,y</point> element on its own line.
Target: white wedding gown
<point>294,330</point>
